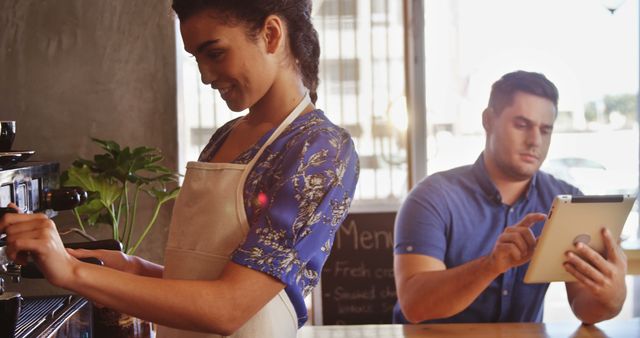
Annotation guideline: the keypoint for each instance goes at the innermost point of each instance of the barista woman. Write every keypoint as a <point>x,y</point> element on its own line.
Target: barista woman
<point>257,214</point>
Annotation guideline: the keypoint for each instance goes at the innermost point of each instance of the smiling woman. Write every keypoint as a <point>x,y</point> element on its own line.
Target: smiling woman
<point>253,54</point>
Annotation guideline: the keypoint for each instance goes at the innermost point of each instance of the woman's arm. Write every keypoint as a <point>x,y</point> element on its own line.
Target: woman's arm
<point>120,261</point>
<point>220,306</point>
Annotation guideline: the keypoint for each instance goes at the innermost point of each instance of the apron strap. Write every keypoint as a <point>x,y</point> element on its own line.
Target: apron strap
<point>290,118</point>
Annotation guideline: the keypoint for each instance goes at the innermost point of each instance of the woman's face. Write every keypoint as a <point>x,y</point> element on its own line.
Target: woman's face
<point>231,61</point>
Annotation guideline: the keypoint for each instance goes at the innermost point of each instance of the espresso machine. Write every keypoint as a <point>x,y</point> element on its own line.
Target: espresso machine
<point>34,187</point>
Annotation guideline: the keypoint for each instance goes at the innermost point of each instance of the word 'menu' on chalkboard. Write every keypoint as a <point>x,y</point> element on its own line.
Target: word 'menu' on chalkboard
<point>357,283</point>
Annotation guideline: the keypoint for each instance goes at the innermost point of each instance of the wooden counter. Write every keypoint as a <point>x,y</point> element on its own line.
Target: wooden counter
<point>613,328</point>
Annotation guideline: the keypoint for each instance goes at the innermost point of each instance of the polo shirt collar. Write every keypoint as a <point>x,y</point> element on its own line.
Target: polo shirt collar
<point>489,188</point>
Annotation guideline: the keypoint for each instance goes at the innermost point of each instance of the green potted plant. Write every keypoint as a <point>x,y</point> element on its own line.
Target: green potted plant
<point>114,181</point>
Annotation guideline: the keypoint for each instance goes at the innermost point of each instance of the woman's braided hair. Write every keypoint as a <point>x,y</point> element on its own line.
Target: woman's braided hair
<point>296,14</point>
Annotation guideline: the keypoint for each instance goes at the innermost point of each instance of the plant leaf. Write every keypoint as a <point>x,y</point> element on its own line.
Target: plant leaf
<point>162,195</point>
<point>84,178</point>
<point>109,146</point>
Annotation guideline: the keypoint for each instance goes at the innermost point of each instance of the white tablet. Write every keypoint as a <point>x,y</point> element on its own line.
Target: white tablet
<point>571,219</point>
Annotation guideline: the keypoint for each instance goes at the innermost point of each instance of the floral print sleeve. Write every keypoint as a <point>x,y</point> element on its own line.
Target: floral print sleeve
<point>296,197</point>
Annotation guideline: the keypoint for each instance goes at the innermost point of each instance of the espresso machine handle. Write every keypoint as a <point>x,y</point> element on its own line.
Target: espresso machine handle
<point>106,244</point>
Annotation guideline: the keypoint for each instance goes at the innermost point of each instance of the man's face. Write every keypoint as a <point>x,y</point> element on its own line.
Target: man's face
<point>518,138</point>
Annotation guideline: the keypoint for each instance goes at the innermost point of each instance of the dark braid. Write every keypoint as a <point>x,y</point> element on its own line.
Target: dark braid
<point>303,37</point>
<point>305,44</point>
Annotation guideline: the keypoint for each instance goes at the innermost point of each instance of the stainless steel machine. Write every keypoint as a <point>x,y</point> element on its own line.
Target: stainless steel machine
<point>34,187</point>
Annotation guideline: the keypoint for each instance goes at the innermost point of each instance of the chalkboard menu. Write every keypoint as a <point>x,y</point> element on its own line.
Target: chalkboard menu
<point>357,283</point>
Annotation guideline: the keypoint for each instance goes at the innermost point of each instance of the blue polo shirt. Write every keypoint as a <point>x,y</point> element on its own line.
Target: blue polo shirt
<point>456,216</point>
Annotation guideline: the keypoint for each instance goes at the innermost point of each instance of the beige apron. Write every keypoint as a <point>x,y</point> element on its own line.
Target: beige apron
<point>208,224</point>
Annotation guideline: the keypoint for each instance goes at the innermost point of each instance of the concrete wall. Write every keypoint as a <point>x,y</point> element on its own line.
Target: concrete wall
<point>74,69</point>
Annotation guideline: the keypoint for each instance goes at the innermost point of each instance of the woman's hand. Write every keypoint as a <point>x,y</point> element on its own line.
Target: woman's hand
<point>36,236</point>
<point>111,258</point>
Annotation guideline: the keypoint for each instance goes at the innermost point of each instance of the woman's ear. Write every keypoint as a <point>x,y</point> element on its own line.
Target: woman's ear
<point>273,33</point>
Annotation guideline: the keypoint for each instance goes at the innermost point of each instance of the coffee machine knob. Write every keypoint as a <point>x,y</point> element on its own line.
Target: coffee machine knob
<point>65,198</point>
<point>82,193</point>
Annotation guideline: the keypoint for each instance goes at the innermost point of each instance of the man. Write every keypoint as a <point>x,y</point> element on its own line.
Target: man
<point>464,237</point>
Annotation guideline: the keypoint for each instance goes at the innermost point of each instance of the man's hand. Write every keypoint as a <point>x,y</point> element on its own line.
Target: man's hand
<point>602,277</point>
<point>515,245</point>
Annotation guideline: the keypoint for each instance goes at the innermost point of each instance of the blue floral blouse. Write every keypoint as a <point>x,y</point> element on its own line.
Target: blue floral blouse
<point>296,196</point>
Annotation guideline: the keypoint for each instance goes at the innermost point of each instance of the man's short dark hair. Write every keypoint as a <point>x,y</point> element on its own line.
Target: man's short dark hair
<point>503,90</point>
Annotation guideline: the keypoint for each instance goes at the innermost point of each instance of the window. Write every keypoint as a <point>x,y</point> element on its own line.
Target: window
<point>342,76</point>
<point>337,14</point>
<point>337,8</point>
<point>362,89</point>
